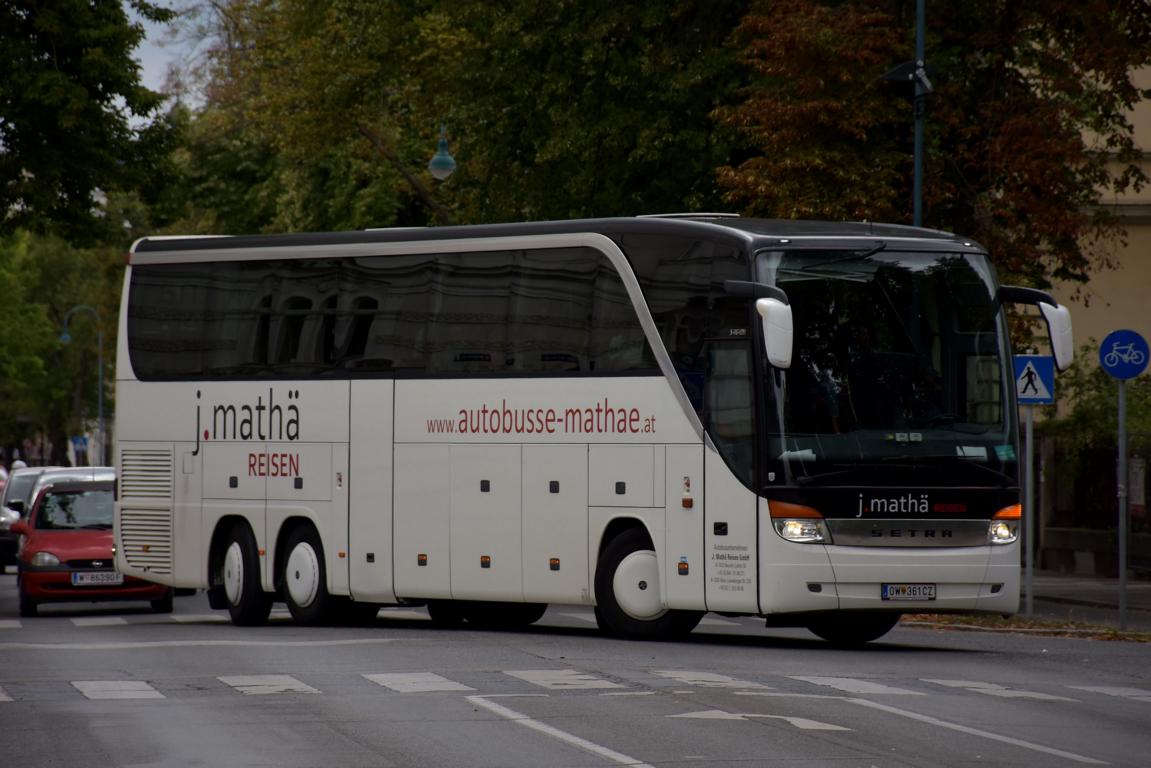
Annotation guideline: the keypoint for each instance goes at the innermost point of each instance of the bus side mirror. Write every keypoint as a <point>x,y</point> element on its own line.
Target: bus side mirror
<point>1058,319</point>
<point>777,331</point>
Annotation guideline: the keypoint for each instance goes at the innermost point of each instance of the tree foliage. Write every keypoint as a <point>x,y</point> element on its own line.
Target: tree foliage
<point>554,109</point>
<point>1026,124</point>
<point>73,115</point>
<point>49,388</point>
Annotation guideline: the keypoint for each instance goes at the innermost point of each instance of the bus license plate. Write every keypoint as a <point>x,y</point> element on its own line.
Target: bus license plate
<point>97,579</point>
<point>908,592</point>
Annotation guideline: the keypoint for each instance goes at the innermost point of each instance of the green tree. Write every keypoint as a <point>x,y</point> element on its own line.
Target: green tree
<point>1027,117</point>
<point>553,110</point>
<point>49,388</point>
<point>567,109</point>
<point>73,115</point>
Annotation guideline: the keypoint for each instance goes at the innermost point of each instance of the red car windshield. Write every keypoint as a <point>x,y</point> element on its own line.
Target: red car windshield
<point>74,510</point>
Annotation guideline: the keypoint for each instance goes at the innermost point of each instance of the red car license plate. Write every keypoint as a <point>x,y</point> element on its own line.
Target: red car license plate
<point>97,579</point>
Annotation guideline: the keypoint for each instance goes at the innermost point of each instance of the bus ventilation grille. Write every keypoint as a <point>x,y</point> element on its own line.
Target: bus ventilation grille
<point>146,510</point>
<point>146,475</point>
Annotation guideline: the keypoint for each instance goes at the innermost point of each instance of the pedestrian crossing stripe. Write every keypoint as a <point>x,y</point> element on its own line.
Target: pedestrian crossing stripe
<point>116,689</point>
<point>259,685</point>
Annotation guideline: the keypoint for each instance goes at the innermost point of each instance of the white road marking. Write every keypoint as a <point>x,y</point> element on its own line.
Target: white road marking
<point>1135,694</point>
<point>417,682</point>
<point>977,732</point>
<point>561,679</point>
<point>260,685</point>
<point>853,685</point>
<point>10,624</point>
<point>802,723</point>
<point>714,622</point>
<point>190,644</point>
<point>116,689</point>
<point>994,689</point>
<point>4,696</point>
<point>556,733</point>
<point>99,621</point>
<point>707,679</point>
<point>199,618</point>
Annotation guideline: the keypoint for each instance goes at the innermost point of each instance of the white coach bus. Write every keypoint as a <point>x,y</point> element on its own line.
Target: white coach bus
<point>613,413</point>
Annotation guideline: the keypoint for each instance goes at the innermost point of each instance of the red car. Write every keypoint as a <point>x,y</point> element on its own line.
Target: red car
<point>65,551</point>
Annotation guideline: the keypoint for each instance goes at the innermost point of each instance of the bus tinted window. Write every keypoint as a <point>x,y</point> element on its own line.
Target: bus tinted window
<point>547,311</point>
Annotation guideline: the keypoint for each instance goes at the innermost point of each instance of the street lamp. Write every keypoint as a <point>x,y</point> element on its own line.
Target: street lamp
<point>442,163</point>
<point>66,338</point>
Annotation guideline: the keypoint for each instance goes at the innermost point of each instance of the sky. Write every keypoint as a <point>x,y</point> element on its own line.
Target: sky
<point>157,51</point>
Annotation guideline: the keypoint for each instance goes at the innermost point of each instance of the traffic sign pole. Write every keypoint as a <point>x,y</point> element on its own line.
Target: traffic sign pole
<point>1034,385</point>
<point>1123,355</point>
<point>1029,512</point>
<point>1122,493</point>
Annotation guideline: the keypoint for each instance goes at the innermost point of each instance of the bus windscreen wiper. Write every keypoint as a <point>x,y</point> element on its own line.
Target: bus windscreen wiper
<point>853,257</point>
<point>1005,479</point>
<point>891,462</point>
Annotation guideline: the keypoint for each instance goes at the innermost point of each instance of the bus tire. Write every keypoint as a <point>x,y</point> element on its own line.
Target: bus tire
<point>248,603</point>
<point>305,578</point>
<point>628,601</point>
<point>854,628</point>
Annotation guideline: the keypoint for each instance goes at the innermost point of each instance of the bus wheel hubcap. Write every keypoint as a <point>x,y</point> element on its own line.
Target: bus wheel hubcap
<point>302,574</point>
<point>636,586</point>
<point>234,573</point>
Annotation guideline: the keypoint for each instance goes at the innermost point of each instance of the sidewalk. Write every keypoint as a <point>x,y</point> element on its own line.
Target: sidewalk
<point>1089,600</point>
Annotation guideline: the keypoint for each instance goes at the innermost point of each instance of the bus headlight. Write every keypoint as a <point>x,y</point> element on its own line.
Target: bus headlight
<point>1004,526</point>
<point>795,522</point>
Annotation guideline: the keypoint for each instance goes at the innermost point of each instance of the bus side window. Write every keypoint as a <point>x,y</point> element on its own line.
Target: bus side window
<point>728,412</point>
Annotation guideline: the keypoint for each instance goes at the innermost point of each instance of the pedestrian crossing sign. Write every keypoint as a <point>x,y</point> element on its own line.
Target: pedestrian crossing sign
<point>1035,379</point>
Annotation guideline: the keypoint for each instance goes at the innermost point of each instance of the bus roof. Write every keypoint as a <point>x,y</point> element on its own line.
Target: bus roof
<point>747,232</point>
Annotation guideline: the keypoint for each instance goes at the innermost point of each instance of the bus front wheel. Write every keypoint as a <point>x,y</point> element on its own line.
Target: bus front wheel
<point>851,628</point>
<point>628,600</point>
<point>248,604</point>
<point>304,577</point>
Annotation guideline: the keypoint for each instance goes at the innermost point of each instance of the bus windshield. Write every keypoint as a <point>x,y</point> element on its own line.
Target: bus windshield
<point>899,361</point>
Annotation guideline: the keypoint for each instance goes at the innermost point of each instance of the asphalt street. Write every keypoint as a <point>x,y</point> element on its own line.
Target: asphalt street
<point>116,685</point>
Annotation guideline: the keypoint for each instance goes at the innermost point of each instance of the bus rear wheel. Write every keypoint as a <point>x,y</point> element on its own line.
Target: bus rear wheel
<point>852,628</point>
<point>628,600</point>
<point>248,603</point>
<point>304,577</point>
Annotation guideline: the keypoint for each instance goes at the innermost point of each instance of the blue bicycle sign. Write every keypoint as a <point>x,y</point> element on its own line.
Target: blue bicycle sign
<point>1123,354</point>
